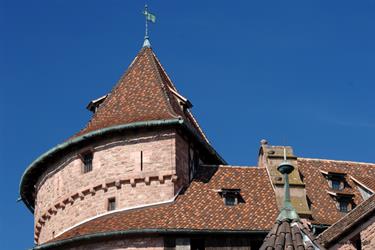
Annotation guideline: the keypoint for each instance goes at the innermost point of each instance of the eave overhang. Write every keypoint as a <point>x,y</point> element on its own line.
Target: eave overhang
<point>36,168</point>
<point>157,231</point>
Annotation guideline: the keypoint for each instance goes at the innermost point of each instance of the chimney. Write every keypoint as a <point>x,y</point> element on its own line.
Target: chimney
<point>270,157</point>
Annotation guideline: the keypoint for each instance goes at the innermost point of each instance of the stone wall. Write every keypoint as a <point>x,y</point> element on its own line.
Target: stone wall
<point>67,196</point>
<point>149,243</point>
<point>182,161</point>
<point>368,237</point>
<point>346,246</point>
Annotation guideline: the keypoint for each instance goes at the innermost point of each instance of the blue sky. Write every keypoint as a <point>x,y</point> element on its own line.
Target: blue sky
<point>294,72</point>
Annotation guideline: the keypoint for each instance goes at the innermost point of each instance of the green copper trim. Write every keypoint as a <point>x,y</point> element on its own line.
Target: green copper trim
<point>288,212</point>
<point>34,168</point>
<point>98,236</point>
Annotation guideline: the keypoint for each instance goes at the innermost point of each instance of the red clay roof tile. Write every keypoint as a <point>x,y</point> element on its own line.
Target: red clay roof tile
<point>365,181</point>
<point>142,94</point>
<point>290,235</point>
<point>323,207</point>
<point>357,216</point>
<point>202,208</point>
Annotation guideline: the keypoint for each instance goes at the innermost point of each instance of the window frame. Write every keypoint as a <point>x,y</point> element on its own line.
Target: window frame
<point>111,204</point>
<point>232,195</point>
<point>341,206</point>
<point>87,158</point>
<point>228,197</point>
<point>336,184</point>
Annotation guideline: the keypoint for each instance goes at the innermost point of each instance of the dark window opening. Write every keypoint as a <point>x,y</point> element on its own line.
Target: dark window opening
<point>230,200</point>
<point>169,243</point>
<point>141,160</point>
<point>336,184</point>
<point>111,204</point>
<point>197,244</point>
<point>87,162</point>
<point>231,196</point>
<point>193,163</point>
<point>343,206</point>
<point>256,244</point>
<point>357,243</point>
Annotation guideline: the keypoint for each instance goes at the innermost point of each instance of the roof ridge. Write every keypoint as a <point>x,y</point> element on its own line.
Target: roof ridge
<point>355,179</point>
<point>116,86</point>
<point>143,65</point>
<point>155,64</point>
<point>340,161</point>
<point>188,113</point>
<point>361,216</point>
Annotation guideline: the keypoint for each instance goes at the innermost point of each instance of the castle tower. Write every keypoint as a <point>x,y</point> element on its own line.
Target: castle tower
<point>141,148</point>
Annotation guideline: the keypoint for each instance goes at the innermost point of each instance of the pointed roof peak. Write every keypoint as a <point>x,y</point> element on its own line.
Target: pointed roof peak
<point>146,42</point>
<point>144,93</point>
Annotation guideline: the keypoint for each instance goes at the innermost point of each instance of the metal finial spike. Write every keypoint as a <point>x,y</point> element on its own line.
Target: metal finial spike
<point>287,212</point>
<point>146,42</point>
<point>149,17</point>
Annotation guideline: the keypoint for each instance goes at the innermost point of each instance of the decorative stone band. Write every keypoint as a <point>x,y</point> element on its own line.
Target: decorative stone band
<point>131,180</point>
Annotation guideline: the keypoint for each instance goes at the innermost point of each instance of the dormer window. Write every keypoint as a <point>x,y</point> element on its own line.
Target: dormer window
<point>94,104</point>
<point>336,184</point>
<point>343,206</point>
<point>363,186</point>
<point>336,180</point>
<point>231,197</point>
<point>344,200</point>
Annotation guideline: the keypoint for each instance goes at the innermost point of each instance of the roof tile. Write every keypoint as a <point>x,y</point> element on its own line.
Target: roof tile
<point>143,93</point>
<point>200,207</point>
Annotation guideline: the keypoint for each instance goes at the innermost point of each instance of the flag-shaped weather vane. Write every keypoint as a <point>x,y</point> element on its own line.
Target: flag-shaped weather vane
<point>148,18</point>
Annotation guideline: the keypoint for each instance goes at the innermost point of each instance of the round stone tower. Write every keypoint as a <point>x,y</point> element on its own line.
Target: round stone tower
<point>140,148</point>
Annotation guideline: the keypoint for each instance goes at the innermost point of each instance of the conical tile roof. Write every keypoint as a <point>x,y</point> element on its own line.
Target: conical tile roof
<point>144,97</point>
<point>144,93</point>
<point>290,235</point>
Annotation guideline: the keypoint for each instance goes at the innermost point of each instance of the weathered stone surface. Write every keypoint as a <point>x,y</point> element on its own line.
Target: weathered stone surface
<point>150,243</point>
<point>67,196</point>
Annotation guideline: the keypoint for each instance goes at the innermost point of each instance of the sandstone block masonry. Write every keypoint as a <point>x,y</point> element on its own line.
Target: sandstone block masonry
<point>150,243</point>
<point>368,237</point>
<point>138,169</point>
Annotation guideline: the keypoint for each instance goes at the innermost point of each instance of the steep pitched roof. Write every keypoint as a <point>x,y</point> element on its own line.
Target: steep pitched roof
<point>143,93</point>
<point>290,235</point>
<point>144,97</point>
<point>200,207</point>
<point>323,207</point>
<point>364,181</point>
<point>349,222</point>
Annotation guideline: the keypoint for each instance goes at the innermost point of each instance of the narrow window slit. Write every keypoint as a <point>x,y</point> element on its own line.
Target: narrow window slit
<point>111,204</point>
<point>87,162</point>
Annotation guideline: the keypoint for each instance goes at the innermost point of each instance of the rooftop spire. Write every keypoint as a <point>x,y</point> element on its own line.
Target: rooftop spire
<point>148,17</point>
<point>287,211</point>
<point>288,231</point>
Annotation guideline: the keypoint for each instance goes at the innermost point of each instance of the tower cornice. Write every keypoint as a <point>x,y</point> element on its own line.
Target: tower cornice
<point>31,175</point>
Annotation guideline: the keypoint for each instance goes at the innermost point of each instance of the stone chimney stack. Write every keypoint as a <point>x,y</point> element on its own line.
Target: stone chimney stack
<point>270,157</point>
